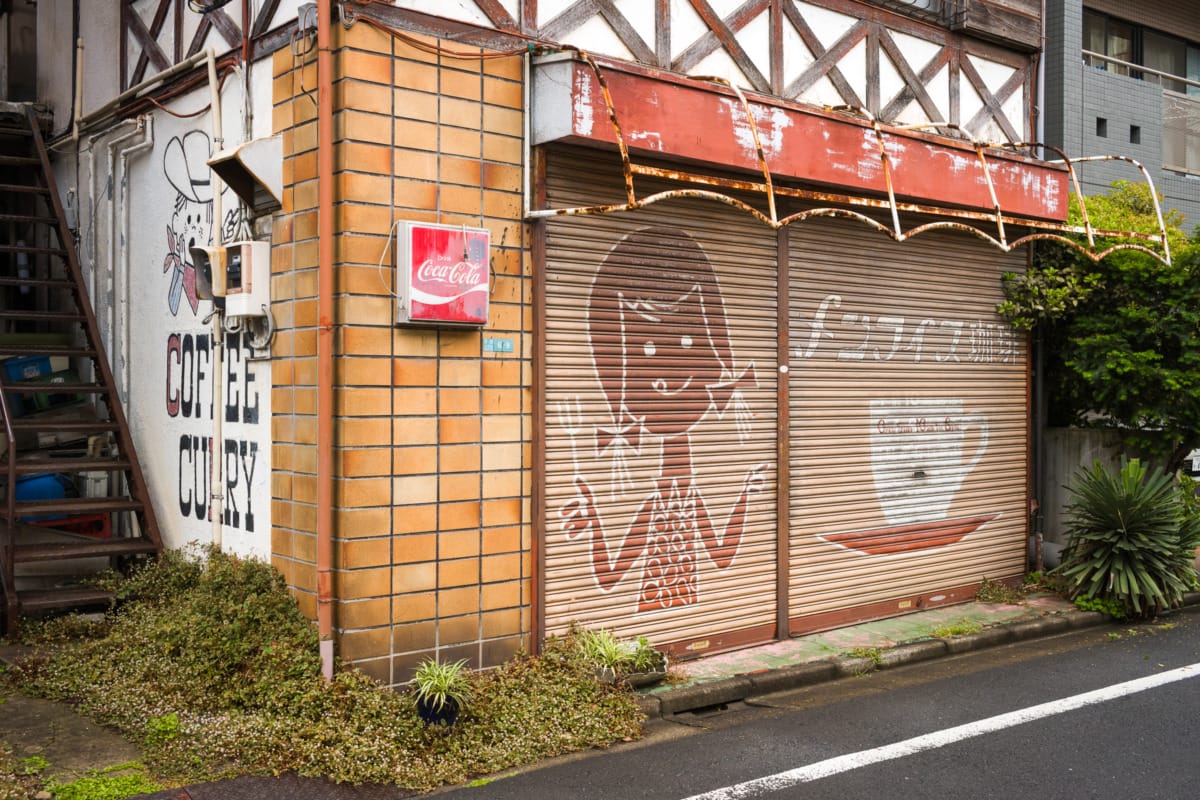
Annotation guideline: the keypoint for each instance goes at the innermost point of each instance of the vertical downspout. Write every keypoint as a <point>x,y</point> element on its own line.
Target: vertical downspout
<point>217,489</point>
<point>1038,346</point>
<point>325,327</point>
<point>123,265</point>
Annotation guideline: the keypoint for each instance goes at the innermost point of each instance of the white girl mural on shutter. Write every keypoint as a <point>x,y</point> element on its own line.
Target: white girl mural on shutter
<point>660,343</point>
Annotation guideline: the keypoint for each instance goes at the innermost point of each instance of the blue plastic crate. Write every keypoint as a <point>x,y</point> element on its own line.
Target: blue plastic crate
<point>24,368</point>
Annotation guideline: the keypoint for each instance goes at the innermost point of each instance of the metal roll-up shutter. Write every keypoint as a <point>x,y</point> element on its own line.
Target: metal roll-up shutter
<point>660,409</point>
<point>908,398</point>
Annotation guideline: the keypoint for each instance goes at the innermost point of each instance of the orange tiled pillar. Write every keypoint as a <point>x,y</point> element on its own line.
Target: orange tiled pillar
<point>432,518</point>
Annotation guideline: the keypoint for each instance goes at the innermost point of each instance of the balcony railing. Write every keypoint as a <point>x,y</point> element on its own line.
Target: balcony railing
<point>1180,110</point>
<point>1181,132</point>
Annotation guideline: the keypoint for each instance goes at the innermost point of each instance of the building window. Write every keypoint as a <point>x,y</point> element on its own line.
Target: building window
<point>937,11</point>
<point>1108,37</point>
<point>1121,47</point>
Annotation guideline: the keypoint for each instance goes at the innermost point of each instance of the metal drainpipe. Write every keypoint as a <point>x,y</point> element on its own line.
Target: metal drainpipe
<point>1039,390</point>
<point>217,488</point>
<point>126,325</point>
<point>114,244</point>
<point>325,328</point>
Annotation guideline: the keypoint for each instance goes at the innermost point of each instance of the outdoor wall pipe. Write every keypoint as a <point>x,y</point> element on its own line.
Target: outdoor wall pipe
<point>114,254</point>
<point>112,105</point>
<point>125,331</point>
<point>91,199</point>
<point>217,318</point>
<point>78,108</point>
<point>325,328</point>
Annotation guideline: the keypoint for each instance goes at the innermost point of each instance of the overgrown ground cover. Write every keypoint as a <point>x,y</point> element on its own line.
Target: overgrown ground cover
<point>208,664</point>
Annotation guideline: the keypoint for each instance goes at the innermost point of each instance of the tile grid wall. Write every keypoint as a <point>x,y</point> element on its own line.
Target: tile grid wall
<point>433,434</point>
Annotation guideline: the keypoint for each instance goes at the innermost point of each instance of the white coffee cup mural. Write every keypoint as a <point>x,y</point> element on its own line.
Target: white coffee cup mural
<point>917,455</point>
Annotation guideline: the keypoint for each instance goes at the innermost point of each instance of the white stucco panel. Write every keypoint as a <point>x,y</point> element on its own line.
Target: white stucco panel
<point>969,101</point>
<point>640,16</point>
<point>548,10</point>
<point>755,39</point>
<point>462,10</point>
<point>890,81</point>
<point>720,65</point>
<point>853,67</point>
<point>597,36</point>
<point>796,55</point>
<point>917,52</point>
<point>153,200</point>
<point>822,93</point>
<point>994,75</point>
<point>686,27</point>
<point>829,26</point>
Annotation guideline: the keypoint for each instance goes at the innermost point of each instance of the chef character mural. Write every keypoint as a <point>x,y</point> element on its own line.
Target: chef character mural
<point>660,343</point>
<point>185,166</point>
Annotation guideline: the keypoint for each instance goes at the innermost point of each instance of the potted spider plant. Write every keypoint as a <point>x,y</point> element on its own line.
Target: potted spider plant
<point>441,690</point>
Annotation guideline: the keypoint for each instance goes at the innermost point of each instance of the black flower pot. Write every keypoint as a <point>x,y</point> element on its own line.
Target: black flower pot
<point>431,714</point>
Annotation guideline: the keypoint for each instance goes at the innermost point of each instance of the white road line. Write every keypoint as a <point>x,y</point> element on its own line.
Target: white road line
<point>930,741</point>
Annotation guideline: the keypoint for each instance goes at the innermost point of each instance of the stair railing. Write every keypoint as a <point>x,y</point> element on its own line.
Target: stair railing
<point>8,541</point>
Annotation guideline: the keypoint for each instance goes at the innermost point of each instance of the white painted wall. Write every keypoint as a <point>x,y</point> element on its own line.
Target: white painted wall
<point>151,201</point>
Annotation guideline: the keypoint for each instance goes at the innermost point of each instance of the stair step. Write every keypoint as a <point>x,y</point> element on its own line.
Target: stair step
<point>44,599</point>
<point>31,466</point>
<point>93,548</point>
<point>70,351</point>
<point>43,316</point>
<point>23,188</point>
<point>49,284</point>
<point>35,422</point>
<point>14,161</point>
<point>40,251</point>
<point>45,387</point>
<point>74,505</point>
<point>27,218</point>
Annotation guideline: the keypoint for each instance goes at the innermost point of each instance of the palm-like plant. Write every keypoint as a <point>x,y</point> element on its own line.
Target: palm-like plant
<point>1131,538</point>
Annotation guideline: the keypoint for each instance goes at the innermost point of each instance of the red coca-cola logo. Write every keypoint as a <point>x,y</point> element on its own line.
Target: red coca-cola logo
<point>457,274</point>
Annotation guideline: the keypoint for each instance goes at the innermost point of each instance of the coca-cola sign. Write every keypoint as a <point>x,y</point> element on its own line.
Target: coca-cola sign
<point>442,274</point>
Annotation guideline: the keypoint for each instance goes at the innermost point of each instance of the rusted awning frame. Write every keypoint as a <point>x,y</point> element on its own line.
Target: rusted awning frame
<point>1044,229</point>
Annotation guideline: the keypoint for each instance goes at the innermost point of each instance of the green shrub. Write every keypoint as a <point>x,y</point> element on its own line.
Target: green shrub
<point>209,664</point>
<point>1132,539</point>
<point>113,783</point>
<point>603,649</point>
<point>1105,605</point>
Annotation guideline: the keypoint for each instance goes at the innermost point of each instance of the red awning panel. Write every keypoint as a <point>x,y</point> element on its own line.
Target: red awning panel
<point>702,122</point>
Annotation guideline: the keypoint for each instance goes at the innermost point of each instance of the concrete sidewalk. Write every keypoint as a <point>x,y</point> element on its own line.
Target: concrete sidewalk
<point>53,730</point>
<point>862,648</point>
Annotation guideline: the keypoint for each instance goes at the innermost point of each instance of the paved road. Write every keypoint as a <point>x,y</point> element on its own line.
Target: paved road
<point>1101,713</point>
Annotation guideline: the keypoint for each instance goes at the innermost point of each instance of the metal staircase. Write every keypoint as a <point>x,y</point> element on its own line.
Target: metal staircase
<point>75,500</point>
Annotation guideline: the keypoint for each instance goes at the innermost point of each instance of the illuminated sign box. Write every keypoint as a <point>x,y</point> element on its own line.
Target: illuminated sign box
<point>442,274</point>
